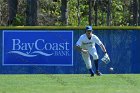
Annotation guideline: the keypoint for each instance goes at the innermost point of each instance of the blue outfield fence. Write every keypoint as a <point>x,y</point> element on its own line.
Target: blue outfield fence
<point>122,44</point>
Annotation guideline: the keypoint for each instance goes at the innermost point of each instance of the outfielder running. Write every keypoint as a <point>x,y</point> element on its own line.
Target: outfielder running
<point>86,45</point>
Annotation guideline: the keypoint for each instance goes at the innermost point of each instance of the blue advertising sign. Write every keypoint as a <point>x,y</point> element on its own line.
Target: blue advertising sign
<point>38,47</point>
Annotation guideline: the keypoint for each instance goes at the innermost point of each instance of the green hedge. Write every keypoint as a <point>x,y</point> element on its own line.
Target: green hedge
<point>72,27</point>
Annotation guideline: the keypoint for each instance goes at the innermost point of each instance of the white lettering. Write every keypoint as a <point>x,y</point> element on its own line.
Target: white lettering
<point>61,53</point>
<point>61,46</point>
<point>31,46</point>
<point>37,44</point>
<point>16,45</point>
<point>55,46</point>
<point>66,46</point>
<point>48,46</point>
<point>24,46</point>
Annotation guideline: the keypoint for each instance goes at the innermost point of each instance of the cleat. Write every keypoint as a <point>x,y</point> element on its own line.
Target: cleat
<point>92,75</point>
<point>98,73</point>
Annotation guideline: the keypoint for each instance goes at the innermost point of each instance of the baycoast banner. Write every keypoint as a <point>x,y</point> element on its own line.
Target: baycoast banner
<point>37,47</point>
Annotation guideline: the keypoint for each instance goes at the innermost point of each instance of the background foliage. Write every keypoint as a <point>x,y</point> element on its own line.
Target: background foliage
<point>49,12</point>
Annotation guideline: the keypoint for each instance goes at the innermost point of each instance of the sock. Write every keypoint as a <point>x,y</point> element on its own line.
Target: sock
<point>91,71</point>
<point>96,64</point>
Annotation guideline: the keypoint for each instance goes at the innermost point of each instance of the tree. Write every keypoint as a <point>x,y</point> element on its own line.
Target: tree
<point>78,11</point>
<point>71,12</point>
<point>90,12</point>
<point>139,13</point>
<point>0,13</point>
<point>96,12</point>
<point>64,12</point>
<point>108,13</point>
<point>31,12</point>
<point>135,12</point>
<point>12,10</point>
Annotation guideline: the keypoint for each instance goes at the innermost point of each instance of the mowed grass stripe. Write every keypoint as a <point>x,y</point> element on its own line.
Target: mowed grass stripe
<point>69,83</point>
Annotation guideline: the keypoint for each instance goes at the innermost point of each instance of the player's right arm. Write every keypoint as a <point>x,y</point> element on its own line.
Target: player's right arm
<point>79,44</point>
<point>81,49</point>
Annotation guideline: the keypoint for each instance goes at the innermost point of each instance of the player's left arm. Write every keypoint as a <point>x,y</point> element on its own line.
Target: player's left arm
<point>106,58</point>
<point>103,48</point>
<point>97,41</point>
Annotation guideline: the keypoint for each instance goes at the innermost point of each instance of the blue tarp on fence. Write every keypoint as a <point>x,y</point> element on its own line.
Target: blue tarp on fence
<point>123,47</point>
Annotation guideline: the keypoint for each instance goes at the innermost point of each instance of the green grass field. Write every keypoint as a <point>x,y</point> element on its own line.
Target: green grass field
<point>70,83</point>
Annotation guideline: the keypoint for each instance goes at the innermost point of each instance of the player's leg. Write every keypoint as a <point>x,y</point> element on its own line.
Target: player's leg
<point>97,69</point>
<point>94,54</point>
<point>86,58</point>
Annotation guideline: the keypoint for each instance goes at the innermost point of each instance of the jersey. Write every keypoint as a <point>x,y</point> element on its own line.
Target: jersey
<point>86,43</point>
<point>89,44</point>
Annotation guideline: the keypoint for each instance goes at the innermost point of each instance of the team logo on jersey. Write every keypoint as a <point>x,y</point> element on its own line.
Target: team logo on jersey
<point>29,47</point>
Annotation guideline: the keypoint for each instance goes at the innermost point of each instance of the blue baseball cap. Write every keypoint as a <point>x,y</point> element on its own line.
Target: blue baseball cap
<point>89,28</point>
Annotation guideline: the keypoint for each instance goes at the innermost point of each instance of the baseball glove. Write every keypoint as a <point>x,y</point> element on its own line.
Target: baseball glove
<point>106,59</point>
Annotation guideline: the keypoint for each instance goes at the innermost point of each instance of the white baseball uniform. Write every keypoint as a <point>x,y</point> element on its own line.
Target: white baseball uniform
<point>89,44</point>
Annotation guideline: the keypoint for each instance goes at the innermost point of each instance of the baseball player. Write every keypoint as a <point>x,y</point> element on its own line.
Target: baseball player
<point>86,45</point>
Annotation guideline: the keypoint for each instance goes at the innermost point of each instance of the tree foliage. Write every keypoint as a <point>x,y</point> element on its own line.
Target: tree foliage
<point>49,12</point>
